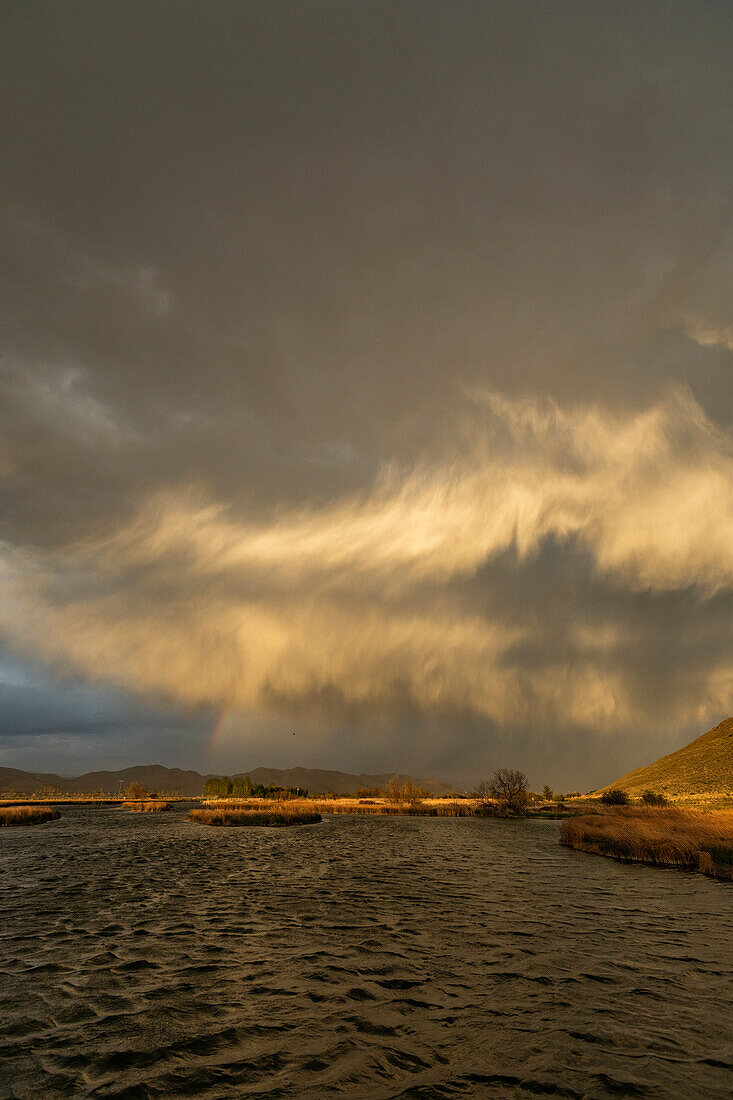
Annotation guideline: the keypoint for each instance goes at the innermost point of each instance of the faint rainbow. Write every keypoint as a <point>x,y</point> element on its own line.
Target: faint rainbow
<point>220,724</point>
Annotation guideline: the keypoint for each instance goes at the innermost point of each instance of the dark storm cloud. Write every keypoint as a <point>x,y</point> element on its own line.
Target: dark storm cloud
<point>262,265</point>
<point>47,721</point>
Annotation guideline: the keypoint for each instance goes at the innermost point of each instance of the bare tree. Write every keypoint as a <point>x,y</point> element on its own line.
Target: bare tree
<point>509,788</point>
<point>483,793</point>
<point>393,790</point>
<point>411,793</point>
<point>47,791</point>
<point>403,790</point>
<point>135,790</point>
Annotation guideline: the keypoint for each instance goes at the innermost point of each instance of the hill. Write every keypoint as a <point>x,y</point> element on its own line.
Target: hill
<point>154,776</point>
<point>704,768</point>
<point>190,783</point>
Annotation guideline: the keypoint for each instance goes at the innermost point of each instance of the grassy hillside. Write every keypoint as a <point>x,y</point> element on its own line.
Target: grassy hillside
<point>702,769</point>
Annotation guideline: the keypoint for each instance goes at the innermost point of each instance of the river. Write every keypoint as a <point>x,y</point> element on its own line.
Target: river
<point>143,955</point>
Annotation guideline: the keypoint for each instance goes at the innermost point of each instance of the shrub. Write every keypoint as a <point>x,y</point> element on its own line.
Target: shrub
<point>651,798</point>
<point>615,797</point>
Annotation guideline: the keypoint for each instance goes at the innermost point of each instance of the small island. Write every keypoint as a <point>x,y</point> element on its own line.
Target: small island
<point>233,815</point>
<point>147,806</point>
<point>27,815</point>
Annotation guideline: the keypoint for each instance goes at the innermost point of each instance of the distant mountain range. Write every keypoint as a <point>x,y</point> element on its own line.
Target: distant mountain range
<point>169,780</point>
<point>704,767</point>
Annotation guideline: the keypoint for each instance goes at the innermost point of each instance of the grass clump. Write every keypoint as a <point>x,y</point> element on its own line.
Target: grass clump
<point>693,840</point>
<point>245,816</point>
<point>147,807</point>
<point>615,797</point>
<point>27,815</point>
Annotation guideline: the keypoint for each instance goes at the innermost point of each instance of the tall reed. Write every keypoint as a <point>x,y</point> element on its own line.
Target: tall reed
<point>148,807</point>
<point>243,816</point>
<point>695,840</point>
<point>27,815</point>
<point>354,806</point>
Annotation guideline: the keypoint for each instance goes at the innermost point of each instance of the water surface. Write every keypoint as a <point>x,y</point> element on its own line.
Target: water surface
<point>142,955</point>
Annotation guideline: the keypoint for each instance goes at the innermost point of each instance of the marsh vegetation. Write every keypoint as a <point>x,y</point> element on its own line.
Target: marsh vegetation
<point>349,805</point>
<point>244,815</point>
<point>149,806</point>
<point>505,795</point>
<point>694,840</point>
<point>27,815</point>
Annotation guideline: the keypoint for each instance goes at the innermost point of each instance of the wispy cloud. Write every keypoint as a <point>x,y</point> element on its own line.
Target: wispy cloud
<point>650,494</point>
<point>62,396</point>
<point>359,604</point>
<point>141,285</point>
<point>710,336</point>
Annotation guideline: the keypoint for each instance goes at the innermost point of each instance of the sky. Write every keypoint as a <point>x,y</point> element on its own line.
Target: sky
<point>366,385</point>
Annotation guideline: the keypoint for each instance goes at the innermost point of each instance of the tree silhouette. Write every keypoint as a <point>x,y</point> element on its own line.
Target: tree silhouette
<point>509,789</point>
<point>135,790</point>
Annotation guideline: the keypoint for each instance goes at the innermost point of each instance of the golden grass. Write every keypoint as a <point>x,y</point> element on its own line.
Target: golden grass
<point>147,807</point>
<point>695,840</point>
<point>427,808</point>
<point>27,815</point>
<point>77,800</point>
<point>245,816</point>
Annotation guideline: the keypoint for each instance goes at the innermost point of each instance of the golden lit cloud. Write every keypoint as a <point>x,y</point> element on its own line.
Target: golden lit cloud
<point>710,336</point>
<point>649,493</point>
<point>360,599</point>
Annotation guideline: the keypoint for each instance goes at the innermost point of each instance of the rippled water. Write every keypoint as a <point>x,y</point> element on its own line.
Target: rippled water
<point>143,955</point>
